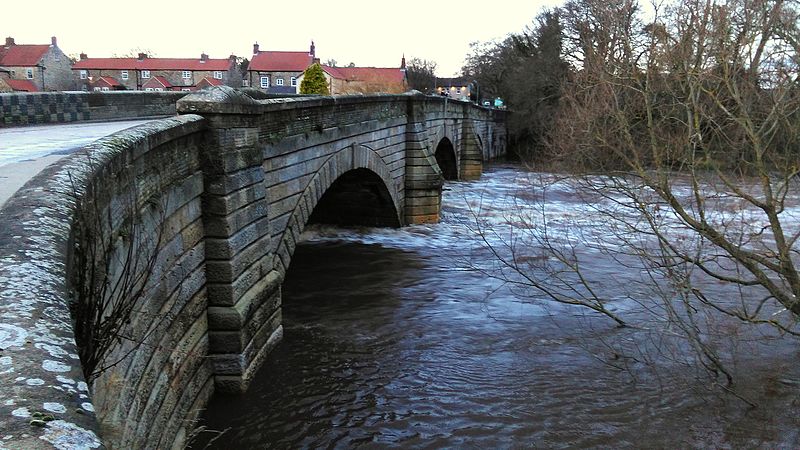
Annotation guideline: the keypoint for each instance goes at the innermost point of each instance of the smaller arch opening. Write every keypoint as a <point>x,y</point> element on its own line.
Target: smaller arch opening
<point>359,197</point>
<point>446,159</point>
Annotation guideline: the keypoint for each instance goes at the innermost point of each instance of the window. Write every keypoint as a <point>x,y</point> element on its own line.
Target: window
<point>124,74</point>
<point>148,89</point>
<point>84,74</point>
<point>105,88</point>
<point>159,89</point>
<point>245,82</point>
<point>29,73</point>
<point>218,74</point>
<point>145,74</point>
<point>293,81</point>
<point>264,82</point>
<point>187,74</point>
<point>97,89</point>
<point>279,81</point>
<point>186,90</point>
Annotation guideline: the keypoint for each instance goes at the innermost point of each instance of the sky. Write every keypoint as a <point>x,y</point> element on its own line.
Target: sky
<point>367,33</point>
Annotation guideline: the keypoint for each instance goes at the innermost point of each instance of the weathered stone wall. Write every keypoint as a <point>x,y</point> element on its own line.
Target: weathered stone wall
<point>60,107</point>
<point>147,175</point>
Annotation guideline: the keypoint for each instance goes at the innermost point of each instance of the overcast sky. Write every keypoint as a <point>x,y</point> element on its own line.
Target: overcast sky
<point>368,33</point>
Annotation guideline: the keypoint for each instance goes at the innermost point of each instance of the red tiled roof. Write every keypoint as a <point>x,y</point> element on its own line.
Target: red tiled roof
<point>152,82</point>
<point>22,85</point>
<point>151,64</point>
<point>108,81</point>
<point>390,75</point>
<point>22,55</point>
<point>269,61</point>
<point>210,81</point>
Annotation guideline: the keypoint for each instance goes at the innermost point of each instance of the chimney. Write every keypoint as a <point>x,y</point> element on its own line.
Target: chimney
<point>312,50</point>
<point>403,63</point>
<point>315,61</point>
<point>142,56</point>
<point>53,41</point>
<point>203,57</point>
<point>83,56</point>
<point>232,57</point>
<point>9,41</point>
<point>255,48</point>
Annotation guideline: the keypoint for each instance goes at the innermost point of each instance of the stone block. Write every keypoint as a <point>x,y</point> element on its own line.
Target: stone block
<point>228,293</point>
<point>235,317</point>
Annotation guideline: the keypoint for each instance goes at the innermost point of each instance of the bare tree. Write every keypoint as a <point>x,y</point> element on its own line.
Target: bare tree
<point>681,137</point>
<point>117,236</point>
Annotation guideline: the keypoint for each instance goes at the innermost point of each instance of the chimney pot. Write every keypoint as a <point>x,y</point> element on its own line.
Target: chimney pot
<point>312,50</point>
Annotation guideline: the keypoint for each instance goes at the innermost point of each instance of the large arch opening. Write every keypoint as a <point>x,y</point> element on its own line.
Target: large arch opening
<point>358,197</point>
<point>446,159</point>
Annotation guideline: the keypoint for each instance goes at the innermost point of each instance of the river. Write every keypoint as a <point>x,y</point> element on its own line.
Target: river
<point>392,339</point>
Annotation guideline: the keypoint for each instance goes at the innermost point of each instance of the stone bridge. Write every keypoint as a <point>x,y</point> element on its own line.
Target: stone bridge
<point>193,221</point>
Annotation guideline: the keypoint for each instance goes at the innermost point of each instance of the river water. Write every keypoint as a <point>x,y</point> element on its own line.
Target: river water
<point>393,339</point>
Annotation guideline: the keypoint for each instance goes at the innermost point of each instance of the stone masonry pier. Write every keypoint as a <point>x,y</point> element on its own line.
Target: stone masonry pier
<point>193,221</point>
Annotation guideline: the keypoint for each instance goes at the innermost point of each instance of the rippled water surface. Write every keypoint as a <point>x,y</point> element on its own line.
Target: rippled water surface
<point>391,340</point>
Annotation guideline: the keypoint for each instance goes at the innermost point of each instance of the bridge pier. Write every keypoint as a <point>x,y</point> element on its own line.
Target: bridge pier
<point>244,296</point>
<point>471,163</point>
<point>423,178</point>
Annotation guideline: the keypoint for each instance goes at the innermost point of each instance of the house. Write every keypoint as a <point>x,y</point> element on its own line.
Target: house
<point>35,68</point>
<point>275,71</point>
<point>158,83</point>
<point>106,84</point>
<point>365,80</point>
<point>455,88</point>
<point>139,73</point>
<point>5,74</point>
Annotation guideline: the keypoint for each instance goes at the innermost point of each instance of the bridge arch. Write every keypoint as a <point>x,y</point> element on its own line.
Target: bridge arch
<point>355,171</point>
<point>447,159</point>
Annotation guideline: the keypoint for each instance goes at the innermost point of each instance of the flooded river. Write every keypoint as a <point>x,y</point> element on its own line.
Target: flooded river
<point>392,339</point>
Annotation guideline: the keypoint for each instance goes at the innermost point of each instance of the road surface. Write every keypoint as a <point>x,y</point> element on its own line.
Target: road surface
<point>25,151</point>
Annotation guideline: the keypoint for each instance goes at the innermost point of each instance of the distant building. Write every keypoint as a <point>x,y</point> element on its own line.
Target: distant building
<point>34,68</point>
<point>145,73</point>
<point>365,80</point>
<point>455,88</point>
<point>278,72</point>
<point>106,84</point>
<point>5,75</point>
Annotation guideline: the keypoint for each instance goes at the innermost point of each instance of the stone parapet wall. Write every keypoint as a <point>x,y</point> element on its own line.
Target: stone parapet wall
<point>19,108</point>
<point>140,185</point>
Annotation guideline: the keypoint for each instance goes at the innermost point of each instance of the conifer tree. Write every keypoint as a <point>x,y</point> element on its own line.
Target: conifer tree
<point>314,81</point>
